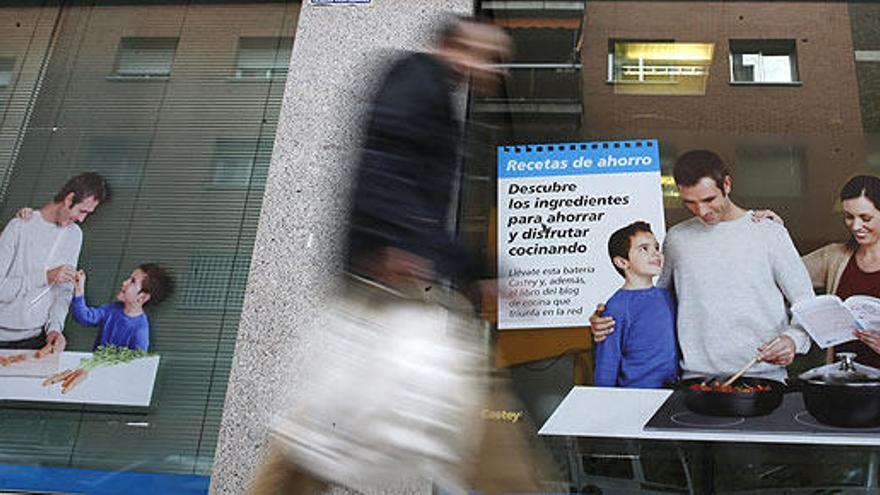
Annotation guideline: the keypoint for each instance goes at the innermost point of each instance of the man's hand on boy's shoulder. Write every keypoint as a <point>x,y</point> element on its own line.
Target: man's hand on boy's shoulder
<point>601,326</point>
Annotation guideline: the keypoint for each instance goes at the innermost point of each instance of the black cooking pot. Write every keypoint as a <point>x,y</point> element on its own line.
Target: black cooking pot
<point>715,403</point>
<point>843,394</point>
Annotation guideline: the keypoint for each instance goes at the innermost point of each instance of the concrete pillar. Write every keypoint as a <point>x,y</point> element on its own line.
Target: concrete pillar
<point>337,52</point>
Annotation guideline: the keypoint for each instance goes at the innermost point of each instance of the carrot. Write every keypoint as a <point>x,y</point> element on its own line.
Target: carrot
<point>73,380</point>
<point>57,377</point>
<point>44,351</point>
<point>16,358</point>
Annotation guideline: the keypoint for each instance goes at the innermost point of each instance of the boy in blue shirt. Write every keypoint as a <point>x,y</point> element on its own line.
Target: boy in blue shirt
<point>124,323</point>
<point>642,351</point>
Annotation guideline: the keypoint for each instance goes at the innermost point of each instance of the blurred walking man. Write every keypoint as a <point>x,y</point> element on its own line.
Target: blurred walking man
<point>402,370</point>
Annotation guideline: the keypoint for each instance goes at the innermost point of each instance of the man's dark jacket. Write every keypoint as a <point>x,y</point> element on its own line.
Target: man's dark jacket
<point>407,170</point>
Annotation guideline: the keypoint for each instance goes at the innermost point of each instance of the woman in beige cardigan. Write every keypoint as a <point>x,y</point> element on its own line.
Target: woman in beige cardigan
<point>853,267</point>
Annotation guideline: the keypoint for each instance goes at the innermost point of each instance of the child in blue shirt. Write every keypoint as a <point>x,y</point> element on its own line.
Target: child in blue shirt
<point>642,351</point>
<point>124,323</point>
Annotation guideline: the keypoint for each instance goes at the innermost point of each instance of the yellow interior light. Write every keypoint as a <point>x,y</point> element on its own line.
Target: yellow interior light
<point>685,52</point>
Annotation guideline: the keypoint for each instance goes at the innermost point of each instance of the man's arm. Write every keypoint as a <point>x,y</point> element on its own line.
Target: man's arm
<point>792,279</point>
<point>609,354</point>
<point>70,245</point>
<point>601,325</point>
<point>13,287</point>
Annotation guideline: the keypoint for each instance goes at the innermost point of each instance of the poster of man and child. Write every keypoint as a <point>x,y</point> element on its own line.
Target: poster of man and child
<point>41,282</point>
<point>719,291</point>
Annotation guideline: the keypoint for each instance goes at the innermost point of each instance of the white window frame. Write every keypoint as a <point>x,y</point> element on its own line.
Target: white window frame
<point>760,78</point>
<point>611,49</point>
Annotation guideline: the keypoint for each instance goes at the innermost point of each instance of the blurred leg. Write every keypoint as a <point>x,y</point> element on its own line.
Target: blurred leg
<point>277,476</point>
<point>507,460</point>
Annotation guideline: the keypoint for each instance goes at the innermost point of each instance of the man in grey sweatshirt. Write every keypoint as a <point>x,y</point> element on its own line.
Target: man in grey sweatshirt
<point>731,277</point>
<point>38,259</point>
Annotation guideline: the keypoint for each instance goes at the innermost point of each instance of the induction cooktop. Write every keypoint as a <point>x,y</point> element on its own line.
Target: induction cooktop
<point>790,417</point>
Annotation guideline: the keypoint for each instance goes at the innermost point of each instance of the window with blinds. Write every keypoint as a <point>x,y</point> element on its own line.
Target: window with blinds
<point>263,57</point>
<point>6,66</point>
<point>141,92</point>
<point>145,57</point>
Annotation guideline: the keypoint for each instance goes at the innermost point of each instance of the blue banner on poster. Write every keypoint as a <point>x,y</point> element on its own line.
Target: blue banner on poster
<point>609,157</point>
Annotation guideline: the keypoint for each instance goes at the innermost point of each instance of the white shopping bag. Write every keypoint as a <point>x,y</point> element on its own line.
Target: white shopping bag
<point>398,391</point>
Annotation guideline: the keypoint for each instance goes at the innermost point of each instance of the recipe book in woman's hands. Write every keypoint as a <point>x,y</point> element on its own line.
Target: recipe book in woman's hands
<point>831,321</point>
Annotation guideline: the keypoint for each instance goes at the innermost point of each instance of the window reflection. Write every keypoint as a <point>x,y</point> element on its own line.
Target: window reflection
<point>186,155</point>
<point>263,58</point>
<point>659,67</point>
<point>763,61</point>
<point>145,57</point>
<point>119,158</point>
<point>6,66</point>
<point>770,169</point>
<point>791,103</point>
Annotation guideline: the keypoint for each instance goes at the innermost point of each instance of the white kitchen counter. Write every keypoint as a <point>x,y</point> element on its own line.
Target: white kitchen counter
<point>622,413</point>
<point>126,384</point>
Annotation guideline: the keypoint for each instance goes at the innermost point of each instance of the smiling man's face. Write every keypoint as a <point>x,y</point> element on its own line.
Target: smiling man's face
<point>76,212</point>
<point>705,200</point>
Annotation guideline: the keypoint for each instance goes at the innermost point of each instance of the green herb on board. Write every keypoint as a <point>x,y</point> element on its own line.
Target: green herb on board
<point>109,355</point>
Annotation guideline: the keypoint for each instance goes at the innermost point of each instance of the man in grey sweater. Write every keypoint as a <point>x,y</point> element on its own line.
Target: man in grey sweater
<point>731,277</point>
<point>38,259</point>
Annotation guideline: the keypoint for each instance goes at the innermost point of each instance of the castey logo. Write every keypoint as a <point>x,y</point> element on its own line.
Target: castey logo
<point>501,415</point>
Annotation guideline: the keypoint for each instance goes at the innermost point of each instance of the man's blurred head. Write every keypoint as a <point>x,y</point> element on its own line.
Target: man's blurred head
<point>473,49</point>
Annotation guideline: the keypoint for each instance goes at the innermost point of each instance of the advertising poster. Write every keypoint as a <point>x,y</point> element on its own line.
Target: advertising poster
<point>557,206</point>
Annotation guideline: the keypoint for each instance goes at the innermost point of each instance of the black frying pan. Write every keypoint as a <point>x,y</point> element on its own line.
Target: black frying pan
<point>714,403</point>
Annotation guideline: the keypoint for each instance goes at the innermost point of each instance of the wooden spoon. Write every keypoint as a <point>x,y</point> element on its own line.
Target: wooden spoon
<point>745,368</point>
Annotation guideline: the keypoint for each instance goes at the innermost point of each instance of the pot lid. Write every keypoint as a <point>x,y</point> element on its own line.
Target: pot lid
<point>843,372</point>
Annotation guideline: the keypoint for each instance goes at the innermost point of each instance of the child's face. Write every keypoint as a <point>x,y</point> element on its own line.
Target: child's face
<point>131,290</point>
<point>645,257</point>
